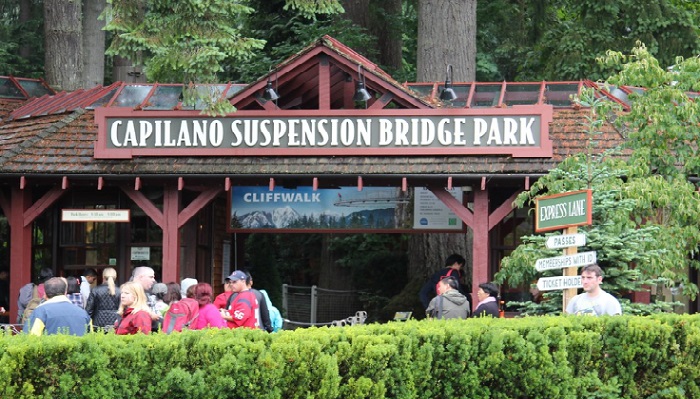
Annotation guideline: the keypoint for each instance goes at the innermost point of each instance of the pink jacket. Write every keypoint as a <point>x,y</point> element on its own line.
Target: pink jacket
<point>209,316</point>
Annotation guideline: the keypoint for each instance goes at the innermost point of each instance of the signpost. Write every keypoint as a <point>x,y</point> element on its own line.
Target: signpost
<point>565,241</point>
<point>564,211</point>
<point>560,262</point>
<point>559,283</point>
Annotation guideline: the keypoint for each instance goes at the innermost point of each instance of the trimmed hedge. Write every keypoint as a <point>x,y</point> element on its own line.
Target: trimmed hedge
<point>538,357</point>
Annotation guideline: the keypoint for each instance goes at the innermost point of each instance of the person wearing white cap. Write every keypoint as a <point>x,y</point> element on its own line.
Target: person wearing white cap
<point>185,284</point>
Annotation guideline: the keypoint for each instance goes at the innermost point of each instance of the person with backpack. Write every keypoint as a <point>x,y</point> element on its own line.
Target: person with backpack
<point>31,295</point>
<point>453,267</point>
<point>181,314</point>
<point>134,311</point>
<point>208,315</point>
<point>241,306</point>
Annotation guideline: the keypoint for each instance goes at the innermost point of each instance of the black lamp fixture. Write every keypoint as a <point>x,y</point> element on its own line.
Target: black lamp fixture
<point>361,93</point>
<point>270,94</point>
<point>448,93</point>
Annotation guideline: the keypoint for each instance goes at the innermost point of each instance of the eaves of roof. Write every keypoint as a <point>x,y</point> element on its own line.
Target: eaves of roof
<point>64,145</point>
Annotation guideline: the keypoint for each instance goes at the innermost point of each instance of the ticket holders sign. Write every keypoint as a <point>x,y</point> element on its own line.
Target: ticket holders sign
<point>565,211</point>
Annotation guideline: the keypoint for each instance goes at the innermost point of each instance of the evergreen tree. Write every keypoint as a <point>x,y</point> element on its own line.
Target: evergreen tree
<point>645,211</point>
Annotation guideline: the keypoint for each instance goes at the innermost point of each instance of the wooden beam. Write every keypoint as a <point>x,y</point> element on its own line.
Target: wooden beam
<point>449,182</point>
<point>453,204</point>
<point>272,184</point>
<point>64,182</point>
<point>360,185</point>
<point>404,184</point>
<point>41,205</point>
<point>100,183</point>
<point>196,205</point>
<point>137,184</point>
<point>227,184</point>
<point>314,184</point>
<point>145,204</point>
<point>180,183</point>
<point>502,211</point>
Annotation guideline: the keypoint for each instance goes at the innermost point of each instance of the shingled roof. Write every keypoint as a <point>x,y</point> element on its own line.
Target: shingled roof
<point>55,135</point>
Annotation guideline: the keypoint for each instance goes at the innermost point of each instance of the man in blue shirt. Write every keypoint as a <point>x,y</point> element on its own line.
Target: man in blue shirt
<point>57,315</point>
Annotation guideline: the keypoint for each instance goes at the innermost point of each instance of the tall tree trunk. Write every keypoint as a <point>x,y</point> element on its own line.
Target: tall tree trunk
<point>387,28</point>
<point>427,253</point>
<point>381,19</point>
<point>93,43</point>
<point>25,14</point>
<point>124,71</point>
<point>64,42</point>
<point>446,35</point>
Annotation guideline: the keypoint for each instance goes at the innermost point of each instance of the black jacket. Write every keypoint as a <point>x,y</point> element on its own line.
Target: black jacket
<point>102,307</point>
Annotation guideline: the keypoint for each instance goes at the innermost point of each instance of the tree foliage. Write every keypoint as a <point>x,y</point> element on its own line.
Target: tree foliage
<point>560,40</point>
<point>644,229</point>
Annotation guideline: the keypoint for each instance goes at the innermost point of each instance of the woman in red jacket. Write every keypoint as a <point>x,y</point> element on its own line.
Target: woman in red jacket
<point>134,311</point>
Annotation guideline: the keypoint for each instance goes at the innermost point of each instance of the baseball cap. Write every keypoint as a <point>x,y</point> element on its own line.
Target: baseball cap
<point>237,275</point>
<point>159,288</point>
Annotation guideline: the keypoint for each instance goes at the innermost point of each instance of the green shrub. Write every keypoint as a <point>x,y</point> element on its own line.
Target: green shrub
<point>651,357</point>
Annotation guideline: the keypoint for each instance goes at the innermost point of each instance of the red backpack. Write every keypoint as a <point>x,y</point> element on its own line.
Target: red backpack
<point>180,314</point>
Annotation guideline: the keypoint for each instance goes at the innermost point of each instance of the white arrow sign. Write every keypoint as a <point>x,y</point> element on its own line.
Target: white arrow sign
<point>559,283</point>
<point>566,240</point>
<point>559,262</point>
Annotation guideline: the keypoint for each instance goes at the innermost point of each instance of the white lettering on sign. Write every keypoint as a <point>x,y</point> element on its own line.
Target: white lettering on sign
<point>566,209</point>
<point>282,197</point>
<point>397,132</point>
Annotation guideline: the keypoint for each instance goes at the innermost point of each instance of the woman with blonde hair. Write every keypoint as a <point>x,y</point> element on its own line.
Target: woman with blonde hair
<point>134,310</point>
<point>103,302</point>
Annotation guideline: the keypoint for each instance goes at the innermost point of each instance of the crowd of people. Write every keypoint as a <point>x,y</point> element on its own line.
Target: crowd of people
<point>77,306</point>
<point>444,296</point>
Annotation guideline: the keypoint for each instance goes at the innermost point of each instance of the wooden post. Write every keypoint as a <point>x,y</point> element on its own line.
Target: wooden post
<point>569,293</point>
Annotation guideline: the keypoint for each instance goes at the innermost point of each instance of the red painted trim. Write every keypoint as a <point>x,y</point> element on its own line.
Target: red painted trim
<point>171,234</point>
<point>360,184</point>
<point>314,184</point>
<point>22,182</point>
<point>180,183</point>
<point>196,205</point>
<point>100,183</point>
<point>480,241</point>
<point>527,182</point>
<point>271,185</point>
<point>145,204</point>
<point>20,246</point>
<point>137,183</point>
<point>502,211</point>
<point>64,182</point>
<point>449,182</point>
<point>483,183</point>
<point>404,184</point>
<point>453,204</point>
<point>227,184</point>
<point>324,83</point>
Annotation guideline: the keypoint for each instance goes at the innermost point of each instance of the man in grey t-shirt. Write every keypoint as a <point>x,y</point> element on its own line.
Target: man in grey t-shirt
<point>594,301</point>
